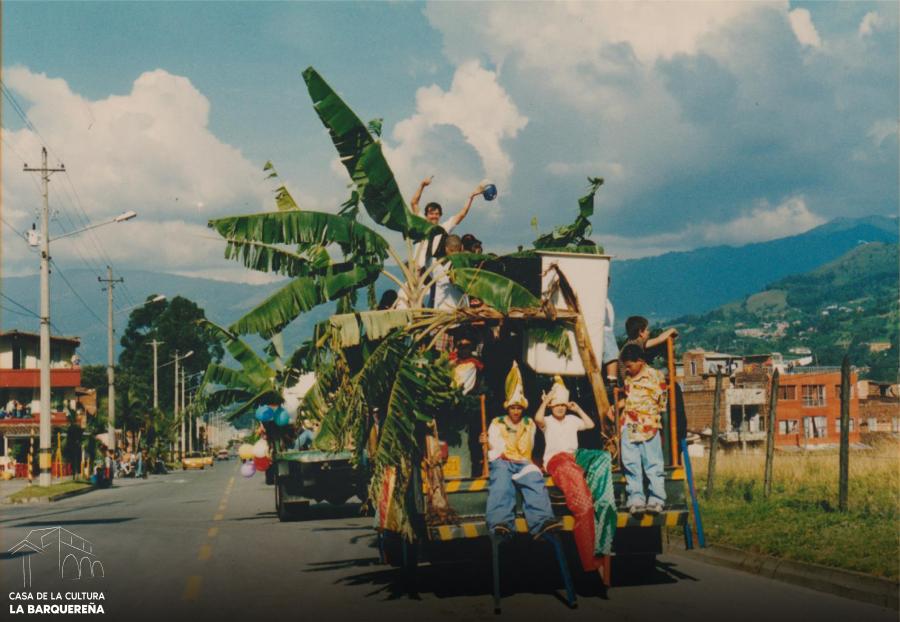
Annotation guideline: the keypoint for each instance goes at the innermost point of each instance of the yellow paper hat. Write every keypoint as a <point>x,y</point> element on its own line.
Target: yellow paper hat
<point>515,389</point>
<point>559,394</point>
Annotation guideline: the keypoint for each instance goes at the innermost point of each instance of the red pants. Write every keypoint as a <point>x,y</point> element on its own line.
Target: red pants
<point>569,477</point>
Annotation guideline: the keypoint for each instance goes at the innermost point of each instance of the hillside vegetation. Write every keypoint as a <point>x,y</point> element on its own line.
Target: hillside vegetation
<point>847,306</point>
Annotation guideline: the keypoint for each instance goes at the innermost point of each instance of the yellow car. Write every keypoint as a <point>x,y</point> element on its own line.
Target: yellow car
<point>193,460</point>
<point>208,460</point>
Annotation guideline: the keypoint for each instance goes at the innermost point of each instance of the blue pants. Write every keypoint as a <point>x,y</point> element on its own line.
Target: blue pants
<point>640,458</point>
<point>501,501</point>
<point>304,439</point>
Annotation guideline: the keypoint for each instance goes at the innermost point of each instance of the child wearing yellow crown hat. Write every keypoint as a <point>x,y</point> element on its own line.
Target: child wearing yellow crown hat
<point>561,435</point>
<point>510,439</point>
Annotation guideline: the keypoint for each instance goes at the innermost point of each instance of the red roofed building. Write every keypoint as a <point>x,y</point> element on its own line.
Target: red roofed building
<point>20,384</point>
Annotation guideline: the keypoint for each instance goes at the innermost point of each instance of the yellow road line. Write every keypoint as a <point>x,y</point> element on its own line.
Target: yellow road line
<point>219,516</point>
<point>213,532</point>
<point>205,552</point>
<point>222,507</point>
<point>192,589</point>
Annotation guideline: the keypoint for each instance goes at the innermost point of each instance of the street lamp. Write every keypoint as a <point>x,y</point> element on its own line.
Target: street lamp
<point>44,440</point>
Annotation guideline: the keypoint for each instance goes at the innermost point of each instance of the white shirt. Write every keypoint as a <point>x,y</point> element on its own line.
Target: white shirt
<point>422,246</point>
<point>561,436</point>
<point>447,295</point>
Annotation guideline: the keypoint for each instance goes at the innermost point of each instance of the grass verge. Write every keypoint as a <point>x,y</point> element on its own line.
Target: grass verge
<point>800,520</point>
<point>34,492</point>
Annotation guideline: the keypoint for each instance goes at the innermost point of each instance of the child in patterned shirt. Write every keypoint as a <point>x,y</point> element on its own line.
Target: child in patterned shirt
<point>641,447</point>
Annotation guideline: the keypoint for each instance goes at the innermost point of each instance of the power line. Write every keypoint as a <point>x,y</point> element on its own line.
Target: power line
<point>5,308</point>
<point>20,305</point>
<point>74,291</point>
<point>16,231</point>
<point>76,201</point>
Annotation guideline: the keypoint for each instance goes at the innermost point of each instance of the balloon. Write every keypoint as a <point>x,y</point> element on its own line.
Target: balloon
<point>247,469</point>
<point>490,192</point>
<point>264,413</point>
<point>245,451</point>
<point>262,464</point>
<point>261,448</point>
<point>282,417</point>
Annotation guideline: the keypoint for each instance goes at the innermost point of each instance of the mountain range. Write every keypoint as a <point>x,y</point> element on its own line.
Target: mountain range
<point>660,287</point>
<point>847,306</point>
<point>691,282</point>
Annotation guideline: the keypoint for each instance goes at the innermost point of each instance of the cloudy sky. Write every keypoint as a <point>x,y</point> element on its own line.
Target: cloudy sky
<point>712,122</point>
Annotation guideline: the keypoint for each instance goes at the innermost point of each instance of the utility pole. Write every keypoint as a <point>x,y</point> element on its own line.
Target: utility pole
<point>844,452</point>
<point>110,359</point>
<point>44,439</point>
<point>155,344</point>
<point>175,406</point>
<point>185,415</point>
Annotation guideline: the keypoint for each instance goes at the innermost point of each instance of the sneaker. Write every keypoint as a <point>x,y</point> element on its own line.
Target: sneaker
<point>502,531</point>
<point>654,507</point>
<point>548,527</point>
<point>636,509</point>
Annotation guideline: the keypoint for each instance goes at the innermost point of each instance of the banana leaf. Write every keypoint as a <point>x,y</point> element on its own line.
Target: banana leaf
<point>495,290</point>
<point>273,259</point>
<point>231,378</point>
<point>283,199</point>
<point>364,160</point>
<point>308,229</point>
<point>226,397</point>
<point>255,367</point>
<point>350,328</point>
<point>300,295</point>
<point>247,406</point>
<point>570,237</point>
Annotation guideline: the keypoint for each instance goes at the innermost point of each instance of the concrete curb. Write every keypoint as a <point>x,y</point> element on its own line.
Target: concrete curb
<point>50,498</point>
<point>844,583</point>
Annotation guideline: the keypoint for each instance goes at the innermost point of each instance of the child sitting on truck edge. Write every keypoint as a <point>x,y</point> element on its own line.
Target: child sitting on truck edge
<point>510,440</point>
<point>641,447</point>
<point>561,439</point>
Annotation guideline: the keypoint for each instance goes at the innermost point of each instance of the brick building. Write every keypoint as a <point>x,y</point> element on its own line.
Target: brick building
<point>742,399</point>
<point>809,407</point>
<point>879,407</point>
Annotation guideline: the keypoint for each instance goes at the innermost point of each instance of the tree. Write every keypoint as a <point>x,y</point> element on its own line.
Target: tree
<point>175,324</point>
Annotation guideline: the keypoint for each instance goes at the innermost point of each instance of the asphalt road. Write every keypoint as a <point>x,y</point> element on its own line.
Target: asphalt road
<point>206,545</point>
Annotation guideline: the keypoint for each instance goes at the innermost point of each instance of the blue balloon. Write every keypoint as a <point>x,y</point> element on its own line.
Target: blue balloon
<point>490,192</point>
<point>264,413</point>
<point>282,417</point>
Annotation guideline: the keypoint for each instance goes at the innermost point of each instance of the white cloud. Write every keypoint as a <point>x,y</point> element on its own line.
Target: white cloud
<point>881,129</point>
<point>871,22</point>
<point>150,151</point>
<point>804,29</point>
<point>477,106</point>
<point>474,117</point>
<point>764,222</point>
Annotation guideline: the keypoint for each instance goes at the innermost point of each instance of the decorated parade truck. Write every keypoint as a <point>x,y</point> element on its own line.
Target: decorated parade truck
<point>444,508</point>
<point>408,389</point>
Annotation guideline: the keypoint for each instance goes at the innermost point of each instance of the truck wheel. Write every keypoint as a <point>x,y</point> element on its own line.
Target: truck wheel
<point>286,511</point>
